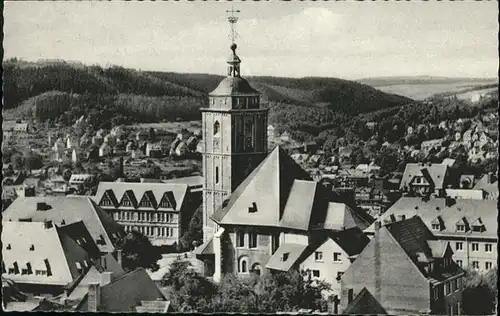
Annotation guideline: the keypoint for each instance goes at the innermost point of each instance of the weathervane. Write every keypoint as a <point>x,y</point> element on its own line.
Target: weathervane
<point>232,18</point>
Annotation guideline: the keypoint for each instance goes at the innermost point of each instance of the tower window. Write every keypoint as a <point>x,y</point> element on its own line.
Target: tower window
<point>216,174</point>
<point>216,128</point>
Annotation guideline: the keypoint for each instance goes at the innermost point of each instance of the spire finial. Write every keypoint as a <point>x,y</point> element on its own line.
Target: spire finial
<point>232,18</point>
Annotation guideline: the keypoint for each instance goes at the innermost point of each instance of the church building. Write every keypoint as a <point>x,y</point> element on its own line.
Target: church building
<point>260,211</point>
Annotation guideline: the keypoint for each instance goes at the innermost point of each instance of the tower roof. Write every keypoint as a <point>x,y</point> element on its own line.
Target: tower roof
<point>233,86</point>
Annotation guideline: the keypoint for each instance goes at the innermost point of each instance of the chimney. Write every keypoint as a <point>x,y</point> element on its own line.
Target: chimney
<point>94,297</point>
<point>106,278</point>
<point>47,224</point>
<point>119,256</point>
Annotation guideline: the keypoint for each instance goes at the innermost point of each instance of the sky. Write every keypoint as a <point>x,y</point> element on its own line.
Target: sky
<point>343,39</point>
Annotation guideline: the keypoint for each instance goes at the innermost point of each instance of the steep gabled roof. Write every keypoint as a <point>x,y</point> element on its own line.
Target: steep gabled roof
<point>41,248</point>
<point>437,172</point>
<point>125,292</point>
<point>65,210</point>
<point>450,215</point>
<point>268,186</point>
<point>285,256</point>
<point>364,303</point>
<point>176,192</point>
<point>352,241</point>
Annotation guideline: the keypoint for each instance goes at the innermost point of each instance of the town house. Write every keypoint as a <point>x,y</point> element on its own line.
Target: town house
<point>421,179</point>
<point>407,270</point>
<point>469,225</point>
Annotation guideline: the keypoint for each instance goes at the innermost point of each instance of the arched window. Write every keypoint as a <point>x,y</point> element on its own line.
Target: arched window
<point>216,127</point>
<point>256,269</point>
<point>216,174</point>
<point>243,265</point>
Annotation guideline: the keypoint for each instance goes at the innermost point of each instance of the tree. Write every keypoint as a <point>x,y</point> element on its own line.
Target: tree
<point>17,161</point>
<point>194,233</point>
<point>33,161</point>
<point>480,292</point>
<point>190,292</point>
<point>137,251</point>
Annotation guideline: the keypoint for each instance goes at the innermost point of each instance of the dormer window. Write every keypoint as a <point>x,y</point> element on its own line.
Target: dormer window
<point>32,248</point>
<point>478,225</point>
<point>9,247</point>
<point>460,228</point>
<point>253,208</point>
<point>284,257</point>
<point>436,227</point>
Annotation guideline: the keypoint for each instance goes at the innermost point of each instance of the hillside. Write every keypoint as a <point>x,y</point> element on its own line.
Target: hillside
<point>24,80</point>
<point>422,87</point>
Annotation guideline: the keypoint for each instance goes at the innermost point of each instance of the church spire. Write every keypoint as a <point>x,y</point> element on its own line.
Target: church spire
<point>233,61</point>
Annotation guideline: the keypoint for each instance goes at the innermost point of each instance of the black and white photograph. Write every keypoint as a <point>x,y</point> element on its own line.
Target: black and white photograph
<point>254,157</point>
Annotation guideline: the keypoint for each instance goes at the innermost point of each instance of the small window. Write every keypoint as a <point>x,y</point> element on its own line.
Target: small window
<point>32,248</point>
<point>488,265</point>
<point>216,128</point>
<point>459,263</point>
<point>460,228</point>
<point>9,247</point>
<point>216,174</point>
<point>435,226</point>
<point>252,238</point>
<point>488,247</point>
<point>337,257</point>
<point>318,256</point>
<point>240,239</point>
<point>459,246</point>
<point>315,273</point>
<point>475,246</point>
<point>339,276</point>
<point>243,265</point>
<point>475,264</point>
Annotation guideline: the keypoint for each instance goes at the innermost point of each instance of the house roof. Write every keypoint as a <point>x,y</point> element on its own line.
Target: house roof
<point>352,241</point>
<point>450,215</point>
<point>69,209</point>
<point>489,187</point>
<point>437,172</point>
<point>364,303</point>
<point>448,161</point>
<point>155,192</point>
<point>206,248</point>
<point>285,256</point>
<point>43,248</point>
<point>125,293</point>
<point>421,246</point>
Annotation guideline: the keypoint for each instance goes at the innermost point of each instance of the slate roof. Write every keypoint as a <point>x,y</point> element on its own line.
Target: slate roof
<point>436,171</point>
<point>450,215</point>
<point>67,210</point>
<point>233,86</point>
<point>176,193</point>
<point>285,256</point>
<point>125,293</point>
<point>352,241</point>
<point>364,303</point>
<point>42,248</point>
<point>421,246</point>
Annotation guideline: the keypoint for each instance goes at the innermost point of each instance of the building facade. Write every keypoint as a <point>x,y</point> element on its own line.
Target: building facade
<point>160,211</point>
<point>234,131</point>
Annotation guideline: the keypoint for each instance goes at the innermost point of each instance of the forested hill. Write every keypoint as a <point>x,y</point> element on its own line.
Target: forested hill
<point>51,89</point>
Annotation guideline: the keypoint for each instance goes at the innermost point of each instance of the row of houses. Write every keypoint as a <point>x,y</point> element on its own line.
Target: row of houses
<point>60,254</point>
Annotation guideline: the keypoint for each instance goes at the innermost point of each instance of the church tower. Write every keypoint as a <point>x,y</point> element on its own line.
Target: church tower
<point>234,131</point>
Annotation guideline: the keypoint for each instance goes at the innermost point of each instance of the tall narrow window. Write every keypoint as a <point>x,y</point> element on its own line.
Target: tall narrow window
<point>252,239</point>
<point>216,128</point>
<point>216,174</point>
<point>240,238</point>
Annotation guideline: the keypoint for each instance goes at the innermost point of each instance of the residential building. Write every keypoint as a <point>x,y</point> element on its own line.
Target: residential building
<point>161,211</point>
<point>67,210</point>
<point>465,194</point>
<point>332,258</point>
<point>154,150</point>
<point>489,185</point>
<point>125,293</point>
<point>424,179</point>
<point>434,144</point>
<point>77,179</point>
<point>40,257</point>
<point>470,226</point>
<point>407,270</point>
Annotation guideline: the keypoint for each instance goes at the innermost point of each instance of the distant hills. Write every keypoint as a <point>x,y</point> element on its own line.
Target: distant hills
<point>422,87</point>
<point>27,84</point>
